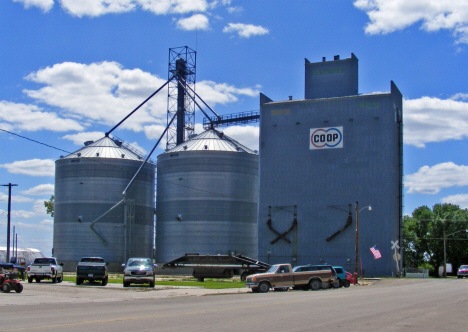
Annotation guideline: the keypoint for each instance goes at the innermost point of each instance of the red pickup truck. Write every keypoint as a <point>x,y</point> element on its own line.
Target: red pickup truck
<point>281,276</point>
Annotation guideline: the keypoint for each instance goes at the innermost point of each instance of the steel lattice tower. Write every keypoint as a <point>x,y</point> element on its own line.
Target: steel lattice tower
<point>182,64</point>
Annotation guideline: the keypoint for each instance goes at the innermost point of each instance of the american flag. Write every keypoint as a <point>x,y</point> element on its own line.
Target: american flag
<point>375,252</point>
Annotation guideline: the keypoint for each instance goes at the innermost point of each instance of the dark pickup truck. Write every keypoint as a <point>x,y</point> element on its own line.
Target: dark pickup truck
<point>92,269</point>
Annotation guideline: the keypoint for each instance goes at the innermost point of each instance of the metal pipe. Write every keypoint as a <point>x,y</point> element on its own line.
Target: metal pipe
<point>185,88</point>
<point>152,95</point>
<point>203,101</point>
<point>102,216</point>
<point>124,193</point>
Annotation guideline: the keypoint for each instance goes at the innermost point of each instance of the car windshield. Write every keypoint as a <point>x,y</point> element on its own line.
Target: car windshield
<point>140,262</point>
<point>464,267</point>
<point>44,261</point>
<point>92,260</point>
<point>273,269</point>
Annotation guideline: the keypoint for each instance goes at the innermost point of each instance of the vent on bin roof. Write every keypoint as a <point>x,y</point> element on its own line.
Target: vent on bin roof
<point>105,148</point>
<point>212,140</point>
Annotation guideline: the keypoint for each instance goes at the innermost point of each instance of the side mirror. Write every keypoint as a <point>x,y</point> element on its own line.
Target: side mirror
<point>123,265</point>
<point>61,264</point>
<point>155,265</point>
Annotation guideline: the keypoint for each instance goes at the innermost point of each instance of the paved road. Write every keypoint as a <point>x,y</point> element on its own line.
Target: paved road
<point>386,305</point>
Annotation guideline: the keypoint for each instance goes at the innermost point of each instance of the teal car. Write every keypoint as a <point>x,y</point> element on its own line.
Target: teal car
<point>341,274</point>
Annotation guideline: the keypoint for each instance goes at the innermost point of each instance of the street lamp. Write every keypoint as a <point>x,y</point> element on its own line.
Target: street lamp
<point>356,264</point>
<point>445,251</point>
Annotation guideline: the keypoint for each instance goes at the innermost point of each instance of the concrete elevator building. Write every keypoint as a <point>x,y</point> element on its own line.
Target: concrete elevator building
<point>323,160</point>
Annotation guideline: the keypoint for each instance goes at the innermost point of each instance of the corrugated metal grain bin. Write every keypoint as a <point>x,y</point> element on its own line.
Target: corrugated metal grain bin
<point>207,196</point>
<point>87,184</point>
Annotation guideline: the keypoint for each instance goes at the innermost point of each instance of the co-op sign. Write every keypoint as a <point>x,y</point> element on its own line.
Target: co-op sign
<point>326,138</point>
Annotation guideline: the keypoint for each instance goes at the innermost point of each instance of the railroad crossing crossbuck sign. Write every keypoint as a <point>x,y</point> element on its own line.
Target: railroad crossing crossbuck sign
<point>396,255</point>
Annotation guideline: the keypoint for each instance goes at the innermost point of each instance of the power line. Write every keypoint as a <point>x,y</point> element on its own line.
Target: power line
<point>32,140</point>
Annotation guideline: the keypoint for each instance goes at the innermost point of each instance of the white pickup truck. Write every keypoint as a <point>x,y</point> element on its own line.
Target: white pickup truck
<point>45,268</point>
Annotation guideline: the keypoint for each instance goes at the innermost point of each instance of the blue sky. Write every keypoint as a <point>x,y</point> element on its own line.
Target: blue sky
<point>70,70</point>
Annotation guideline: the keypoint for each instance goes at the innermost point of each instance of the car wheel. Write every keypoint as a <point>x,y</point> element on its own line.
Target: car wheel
<point>105,281</point>
<point>151,284</point>
<point>6,288</point>
<point>325,285</point>
<point>281,289</point>
<point>19,288</point>
<point>315,284</point>
<point>126,284</point>
<point>346,283</point>
<point>60,279</point>
<point>54,279</point>
<point>79,281</point>
<point>30,279</point>
<point>337,284</point>
<point>264,287</point>
<point>243,276</point>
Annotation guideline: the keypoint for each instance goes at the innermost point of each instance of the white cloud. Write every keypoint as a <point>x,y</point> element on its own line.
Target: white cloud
<point>15,199</point>
<point>430,180</point>
<point>460,199</point>
<point>100,92</point>
<point>31,118</point>
<point>137,147</point>
<point>221,93</point>
<point>41,226</point>
<point>431,119</point>
<point>94,8</point>
<point>246,135</point>
<point>80,138</point>
<point>22,214</point>
<point>40,190</point>
<point>387,16</point>
<point>245,30</point>
<point>235,10</point>
<point>32,167</point>
<point>154,132</point>
<point>195,22</point>
<point>45,5</point>
<point>106,92</point>
<point>460,96</point>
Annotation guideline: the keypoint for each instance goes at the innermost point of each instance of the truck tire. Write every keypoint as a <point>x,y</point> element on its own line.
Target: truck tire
<point>126,284</point>
<point>264,287</point>
<point>60,279</point>
<point>30,280</point>
<point>6,288</point>
<point>19,288</point>
<point>38,279</point>
<point>105,281</point>
<point>54,279</point>
<point>281,289</point>
<point>325,285</point>
<point>79,281</point>
<point>315,284</point>
<point>244,275</point>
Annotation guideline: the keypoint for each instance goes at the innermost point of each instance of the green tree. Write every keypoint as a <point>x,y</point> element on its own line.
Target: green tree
<point>423,236</point>
<point>49,205</point>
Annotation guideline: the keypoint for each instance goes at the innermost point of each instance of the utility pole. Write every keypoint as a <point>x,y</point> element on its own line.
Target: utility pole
<point>7,258</point>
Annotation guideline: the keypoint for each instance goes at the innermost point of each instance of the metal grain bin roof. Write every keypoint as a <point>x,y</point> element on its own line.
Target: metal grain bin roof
<point>105,148</point>
<point>212,140</point>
